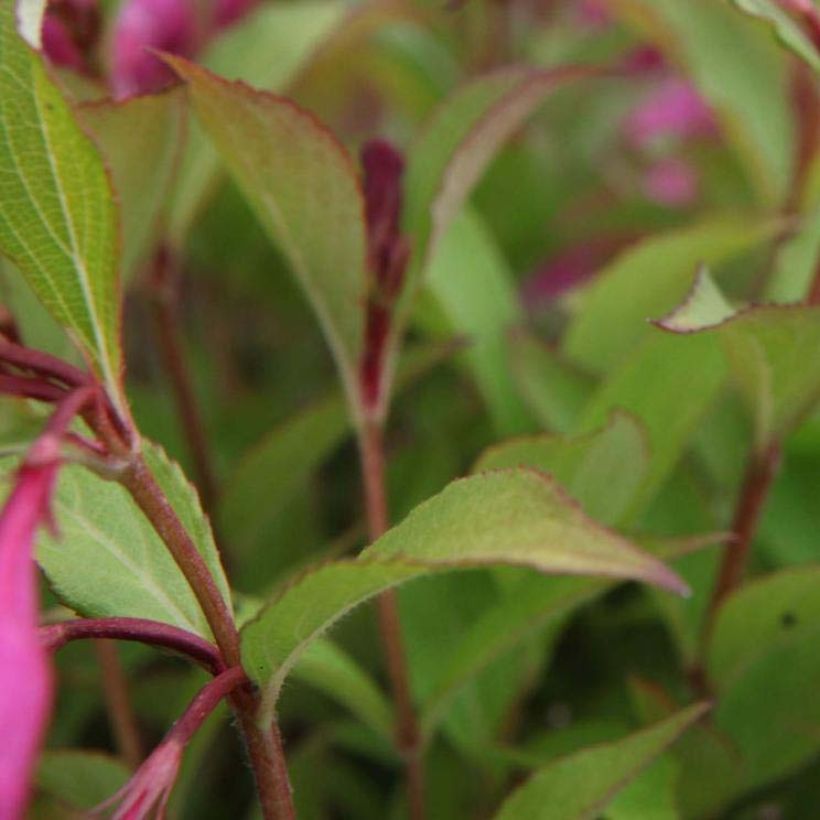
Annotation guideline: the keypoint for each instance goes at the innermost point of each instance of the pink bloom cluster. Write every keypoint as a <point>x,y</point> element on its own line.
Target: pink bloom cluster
<point>70,34</point>
<point>175,26</point>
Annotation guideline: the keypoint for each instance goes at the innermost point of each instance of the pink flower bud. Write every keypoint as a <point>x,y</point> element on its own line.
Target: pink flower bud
<point>147,793</point>
<point>142,25</point>
<point>71,29</point>
<point>672,182</point>
<point>25,674</point>
<point>674,108</point>
<point>388,253</point>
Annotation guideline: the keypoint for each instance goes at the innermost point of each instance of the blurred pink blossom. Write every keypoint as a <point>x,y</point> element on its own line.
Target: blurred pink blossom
<point>59,46</point>
<point>593,13</point>
<point>672,182</point>
<point>227,12</point>
<point>565,271</point>
<point>673,108</point>
<point>164,25</point>
<point>71,29</point>
<point>25,673</point>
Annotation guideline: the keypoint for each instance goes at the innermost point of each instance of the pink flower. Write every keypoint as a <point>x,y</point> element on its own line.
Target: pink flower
<point>25,673</point>
<point>672,182</point>
<point>674,108</point>
<point>149,790</point>
<point>59,46</point>
<point>228,12</point>
<point>593,14</point>
<point>71,29</point>
<point>164,25</point>
<point>565,271</point>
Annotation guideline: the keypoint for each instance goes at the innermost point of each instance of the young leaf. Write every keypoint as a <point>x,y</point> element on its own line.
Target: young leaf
<point>554,390</point>
<point>580,786</point>
<point>293,32</point>
<point>267,477</point>
<point>603,469</point>
<point>645,281</point>
<point>784,27</point>
<point>513,517</point>
<point>773,352</point>
<point>303,186</point>
<point>57,217</point>
<point>461,140</point>
<point>140,138</point>
<point>325,666</point>
<point>107,560</point>
<point>474,289</point>
<point>79,778</point>
<point>763,663</point>
<point>668,384</point>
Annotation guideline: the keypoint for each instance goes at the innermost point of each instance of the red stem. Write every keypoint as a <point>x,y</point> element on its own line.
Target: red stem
<point>30,388</point>
<point>55,636</point>
<point>757,482</point>
<point>42,364</point>
<point>165,283</point>
<point>408,737</point>
<point>264,745</point>
<point>206,700</point>
<point>118,703</point>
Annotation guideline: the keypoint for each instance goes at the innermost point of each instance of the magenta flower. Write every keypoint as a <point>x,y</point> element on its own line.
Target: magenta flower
<point>59,46</point>
<point>70,32</point>
<point>568,269</point>
<point>142,25</point>
<point>149,790</point>
<point>593,14</point>
<point>25,673</point>
<point>672,182</point>
<point>673,108</point>
<point>228,12</point>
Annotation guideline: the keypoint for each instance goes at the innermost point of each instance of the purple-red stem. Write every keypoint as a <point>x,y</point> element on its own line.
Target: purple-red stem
<point>55,636</point>
<point>757,482</point>
<point>118,703</point>
<point>264,745</point>
<point>206,700</point>
<point>408,737</point>
<point>165,291</point>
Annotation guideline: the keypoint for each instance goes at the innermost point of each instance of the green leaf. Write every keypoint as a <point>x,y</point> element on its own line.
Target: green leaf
<point>773,352</point>
<point>140,138</point>
<point>580,786</point>
<point>740,73</point>
<point>668,383</point>
<point>474,290</point>
<point>272,471</point>
<point>292,31</point>
<point>459,142</point>
<point>79,778</point>
<point>603,469</point>
<point>529,605</point>
<point>304,189</point>
<point>645,281</point>
<point>763,662</point>
<point>330,670</point>
<point>784,27</point>
<point>553,389</point>
<point>58,222</point>
<point>108,560</point>
<point>651,796</point>
<point>517,518</point>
